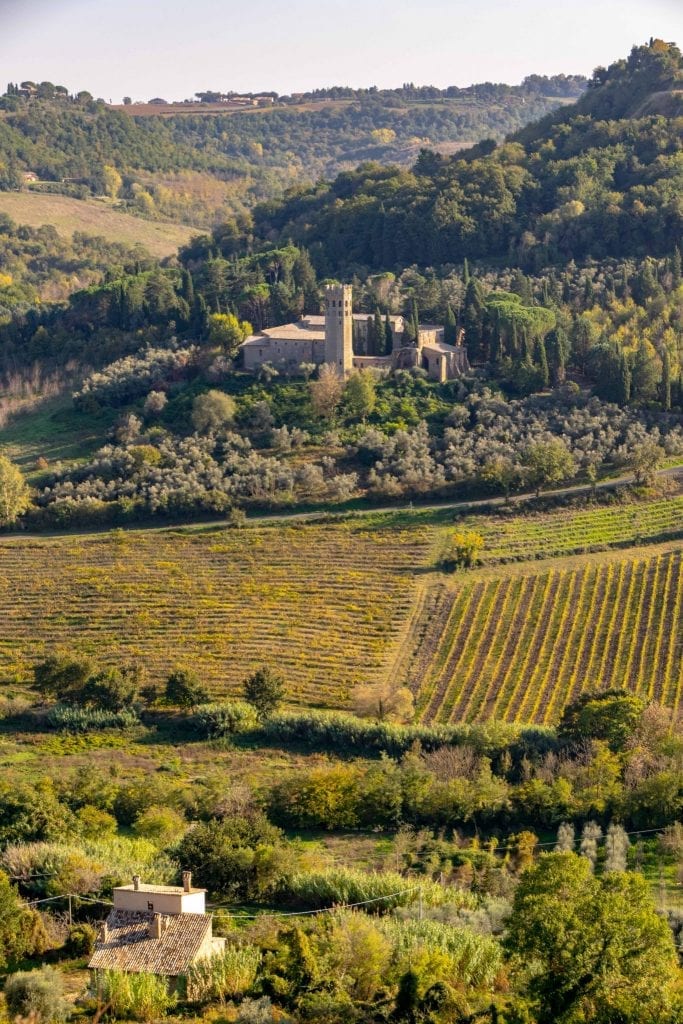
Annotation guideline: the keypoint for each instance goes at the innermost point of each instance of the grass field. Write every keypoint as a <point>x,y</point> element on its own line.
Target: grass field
<point>94,217</point>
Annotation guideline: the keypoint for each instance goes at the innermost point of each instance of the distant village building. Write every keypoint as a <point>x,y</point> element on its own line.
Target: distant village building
<point>159,929</point>
<point>340,336</point>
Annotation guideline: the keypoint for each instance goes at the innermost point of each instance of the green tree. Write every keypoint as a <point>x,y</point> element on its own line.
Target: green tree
<point>264,690</point>
<point>15,924</point>
<point>212,411</point>
<point>360,394</point>
<point>62,676</point>
<point>111,181</point>
<point>227,332</point>
<point>450,327</point>
<point>184,690</point>
<point>644,460</point>
<point>463,549</point>
<point>14,492</point>
<point>547,463</point>
<point>610,715</point>
<point>600,952</point>
<point>238,858</point>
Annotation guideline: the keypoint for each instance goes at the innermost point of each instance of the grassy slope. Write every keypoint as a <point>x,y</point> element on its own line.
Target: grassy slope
<point>94,217</point>
<point>361,600</point>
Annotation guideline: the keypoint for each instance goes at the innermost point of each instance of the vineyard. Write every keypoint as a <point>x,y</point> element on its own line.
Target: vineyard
<point>517,647</point>
<point>363,600</point>
<point>323,605</point>
<point>571,531</point>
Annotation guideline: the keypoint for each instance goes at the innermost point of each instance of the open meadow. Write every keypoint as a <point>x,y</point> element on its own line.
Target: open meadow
<point>94,217</point>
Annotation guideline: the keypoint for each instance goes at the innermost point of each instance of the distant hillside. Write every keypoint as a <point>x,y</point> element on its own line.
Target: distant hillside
<point>94,218</point>
<point>602,177</point>
<point>204,166</point>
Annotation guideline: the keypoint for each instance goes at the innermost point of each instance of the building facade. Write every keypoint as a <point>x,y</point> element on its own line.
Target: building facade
<point>340,338</point>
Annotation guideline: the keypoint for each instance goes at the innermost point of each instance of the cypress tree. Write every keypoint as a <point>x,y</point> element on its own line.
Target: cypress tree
<point>199,318</point>
<point>666,379</point>
<point>465,272</point>
<point>676,268</point>
<point>450,329</point>
<point>378,334</point>
<point>187,288</point>
<point>388,336</point>
<point>541,361</point>
<point>624,389</point>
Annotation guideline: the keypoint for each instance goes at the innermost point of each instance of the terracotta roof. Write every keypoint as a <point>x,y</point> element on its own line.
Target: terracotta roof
<point>129,947</point>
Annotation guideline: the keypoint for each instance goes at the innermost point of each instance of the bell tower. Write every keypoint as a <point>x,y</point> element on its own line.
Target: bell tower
<point>339,327</point>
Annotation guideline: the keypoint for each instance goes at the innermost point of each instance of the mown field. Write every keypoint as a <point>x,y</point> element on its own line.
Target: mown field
<point>363,600</point>
<point>94,217</point>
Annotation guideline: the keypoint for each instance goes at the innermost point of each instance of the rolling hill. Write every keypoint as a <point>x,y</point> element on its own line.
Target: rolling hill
<point>99,218</point>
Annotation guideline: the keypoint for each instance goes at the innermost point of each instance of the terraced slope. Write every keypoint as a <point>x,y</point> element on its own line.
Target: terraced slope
<point>517,647</point>
<point>323,604</point>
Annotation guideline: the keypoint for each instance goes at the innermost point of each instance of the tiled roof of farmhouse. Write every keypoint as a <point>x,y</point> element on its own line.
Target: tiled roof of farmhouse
<point>129,947</point>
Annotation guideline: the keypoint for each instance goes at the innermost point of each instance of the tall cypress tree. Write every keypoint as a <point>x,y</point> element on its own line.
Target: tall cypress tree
<point>450,329</point>
<point>388,336</point>
<point>665,386</point>
<point>378,334</point>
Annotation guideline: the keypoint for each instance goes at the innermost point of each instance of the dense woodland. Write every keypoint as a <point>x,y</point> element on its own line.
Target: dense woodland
<point>198,168</point>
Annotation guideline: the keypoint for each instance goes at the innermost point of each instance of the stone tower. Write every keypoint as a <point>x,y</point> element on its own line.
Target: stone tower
<point>339,327</point>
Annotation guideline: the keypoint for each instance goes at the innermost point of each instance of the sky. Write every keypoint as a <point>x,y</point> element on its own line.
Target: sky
<point>145,48</point>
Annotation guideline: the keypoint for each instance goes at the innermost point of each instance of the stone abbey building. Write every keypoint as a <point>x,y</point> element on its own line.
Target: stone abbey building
<point>333,337</point>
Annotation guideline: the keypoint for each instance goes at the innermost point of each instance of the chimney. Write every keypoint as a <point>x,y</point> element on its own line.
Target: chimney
<point>155,927</point>
<point>104,932</point>
<point>136,882</point>
<point>187,881</point>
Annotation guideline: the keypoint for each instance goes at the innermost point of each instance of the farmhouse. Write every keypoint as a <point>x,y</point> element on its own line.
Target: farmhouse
<point>340,338</point>
<point>160,929</point>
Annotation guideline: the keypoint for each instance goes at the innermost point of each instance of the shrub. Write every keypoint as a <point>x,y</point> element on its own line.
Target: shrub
<point>80,940</point>
<point>318,889</point>
<point>37,996</point>
<point>144,997</point>
<point>229,719</point>
<point>226,975</point>
<point>70,718</point>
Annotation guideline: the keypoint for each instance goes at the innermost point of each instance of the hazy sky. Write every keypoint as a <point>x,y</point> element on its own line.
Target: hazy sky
<point>145,48</point>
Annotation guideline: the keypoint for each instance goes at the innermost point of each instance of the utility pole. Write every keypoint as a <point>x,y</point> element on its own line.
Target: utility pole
<point>71,920</point>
